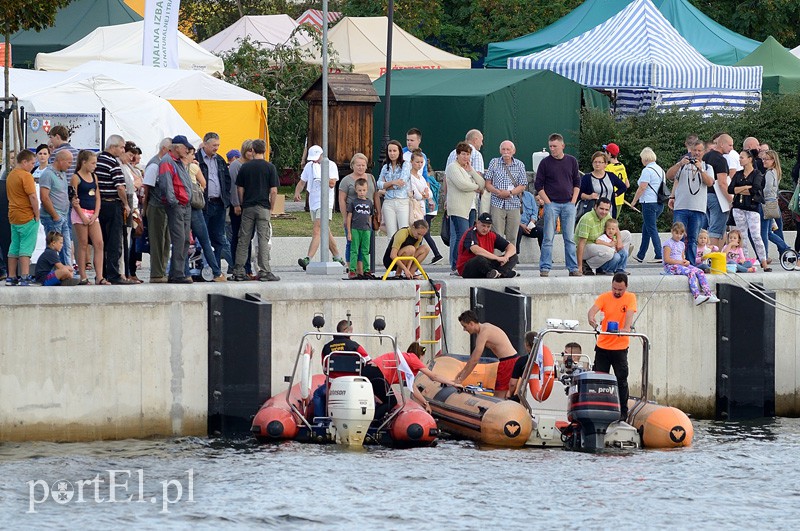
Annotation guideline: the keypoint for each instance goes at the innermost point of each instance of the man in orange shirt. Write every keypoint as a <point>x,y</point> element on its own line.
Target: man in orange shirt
<point>618,306</point>
<point>23,215</point>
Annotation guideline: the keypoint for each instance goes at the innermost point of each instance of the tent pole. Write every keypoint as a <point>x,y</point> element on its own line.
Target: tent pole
<point>387,100</point>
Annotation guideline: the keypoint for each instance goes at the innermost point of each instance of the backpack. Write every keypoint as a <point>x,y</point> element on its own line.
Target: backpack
<point>663,193</point>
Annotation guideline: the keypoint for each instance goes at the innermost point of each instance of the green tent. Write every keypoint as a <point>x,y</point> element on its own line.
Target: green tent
<point>715,42</point>
<point>525,106</point>
<point>781,67</point>
<point>73,23</point>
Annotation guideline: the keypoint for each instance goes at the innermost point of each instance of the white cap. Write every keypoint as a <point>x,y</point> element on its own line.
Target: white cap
<point>314,152</point>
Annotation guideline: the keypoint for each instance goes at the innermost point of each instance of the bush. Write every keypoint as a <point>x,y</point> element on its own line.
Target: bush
<point>774,122</point>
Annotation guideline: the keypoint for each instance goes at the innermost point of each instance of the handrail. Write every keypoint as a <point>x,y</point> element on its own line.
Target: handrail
<point>405,259</point>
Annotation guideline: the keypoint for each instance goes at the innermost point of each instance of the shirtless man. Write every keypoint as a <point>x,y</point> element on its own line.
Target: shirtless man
<point>491,337</point>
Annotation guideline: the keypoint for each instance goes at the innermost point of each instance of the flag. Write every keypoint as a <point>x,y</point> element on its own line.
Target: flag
<point>403,367</point>
<point>160,36</point>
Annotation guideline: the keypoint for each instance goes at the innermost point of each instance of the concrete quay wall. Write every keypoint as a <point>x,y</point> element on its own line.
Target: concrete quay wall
<point>118,362</point>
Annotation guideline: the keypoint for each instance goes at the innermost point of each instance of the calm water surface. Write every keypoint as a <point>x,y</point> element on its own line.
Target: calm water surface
<point>736,475</point>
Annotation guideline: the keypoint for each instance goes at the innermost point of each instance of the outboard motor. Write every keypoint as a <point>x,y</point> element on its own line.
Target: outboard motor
<point>593,405</point>
<point>351,407</point>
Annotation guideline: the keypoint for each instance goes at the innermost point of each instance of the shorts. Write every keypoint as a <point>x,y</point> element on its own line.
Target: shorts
<point>717,219</point>
<point>52,279</point>
<point>315,214</point>
<point>76,219</point>
<point>23,239</point>
<point>504,370</point>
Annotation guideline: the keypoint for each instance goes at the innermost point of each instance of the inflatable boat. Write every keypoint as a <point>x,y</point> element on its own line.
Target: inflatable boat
<point>351,417</point>
<point>563,404</point>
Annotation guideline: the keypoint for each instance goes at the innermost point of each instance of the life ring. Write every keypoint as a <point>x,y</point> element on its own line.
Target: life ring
<point>541,379</point>
<point>305,372</point>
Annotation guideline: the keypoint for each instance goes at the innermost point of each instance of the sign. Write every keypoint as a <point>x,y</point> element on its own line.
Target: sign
<point>84,129</point>
<point>160,37</point>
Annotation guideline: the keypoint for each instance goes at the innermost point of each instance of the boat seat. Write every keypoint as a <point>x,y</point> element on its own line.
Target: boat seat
<point>344,363</point>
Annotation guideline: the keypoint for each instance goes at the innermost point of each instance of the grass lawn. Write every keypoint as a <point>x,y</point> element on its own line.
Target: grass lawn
<point>301,224</point>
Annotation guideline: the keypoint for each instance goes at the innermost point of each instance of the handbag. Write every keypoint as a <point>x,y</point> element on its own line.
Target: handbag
<point>415,211</point>
<point>584,206</point>
<point>793,204</point>
<point>198,201</point>
<point>771,209</point>
<point>445,234</point>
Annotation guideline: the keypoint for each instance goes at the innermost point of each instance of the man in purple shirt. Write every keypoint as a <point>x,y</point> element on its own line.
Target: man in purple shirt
<point>557,183</point>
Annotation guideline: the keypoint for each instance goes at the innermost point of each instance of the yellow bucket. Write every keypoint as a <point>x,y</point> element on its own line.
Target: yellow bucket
<point>718,265</point>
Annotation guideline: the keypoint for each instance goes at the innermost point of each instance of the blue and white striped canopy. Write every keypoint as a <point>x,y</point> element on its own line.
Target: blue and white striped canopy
<point>638,48</point>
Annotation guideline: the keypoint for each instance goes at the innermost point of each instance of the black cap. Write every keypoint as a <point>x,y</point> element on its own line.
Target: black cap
<point>485,218</point>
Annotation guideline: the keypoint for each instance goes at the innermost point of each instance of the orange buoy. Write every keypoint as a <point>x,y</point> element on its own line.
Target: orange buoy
<point>541,379</point>
<point>661,426</point>
<point>413,426</point>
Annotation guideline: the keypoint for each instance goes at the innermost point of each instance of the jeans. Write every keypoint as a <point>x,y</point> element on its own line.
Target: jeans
<point>650,213</point>
<point>110,220</point>
<point>65,228</point>
<point>215,222</point>
<point>566,213</point>
<point>768,235</point>
<point>200,232</point>
<point>717,219</point>
<point>179,219</point>
<point>254,218</point>
<point>236,224</point>
<point>458,226</point>
<point>776,236</point>
<point>693,221</point>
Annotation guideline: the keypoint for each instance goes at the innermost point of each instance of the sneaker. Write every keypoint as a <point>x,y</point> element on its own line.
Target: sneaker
<point>269,277</point>
<point>70,282</point>
<point>601,272</point>
<point>700,299</point>
<point>303,262</point>
<point>588,270</point>
<point>493,273</point>
<point>220,278</point>
<point>544,273</point>
<point>454,273</point>
<point>712,299</point>
<point>575,273</point>
<point>655,261</point>
<point>238,278</point>
<point>27,280</point>
<point>175,280</point>
<point>158,280</point>
<point>512,274</point>
<point>437,259</point>
<point>340,260</point>
<point>12,281</point>
<point>640,260</point>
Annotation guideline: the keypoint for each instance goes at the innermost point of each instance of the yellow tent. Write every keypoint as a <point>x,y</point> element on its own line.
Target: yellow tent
<point>203,101</point>
<point>136,5</point>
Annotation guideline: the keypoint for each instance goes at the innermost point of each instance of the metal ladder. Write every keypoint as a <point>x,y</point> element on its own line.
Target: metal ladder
<point>431,312</point>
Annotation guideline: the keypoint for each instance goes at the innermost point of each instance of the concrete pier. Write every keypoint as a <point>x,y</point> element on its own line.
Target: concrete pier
<point>114,362</point>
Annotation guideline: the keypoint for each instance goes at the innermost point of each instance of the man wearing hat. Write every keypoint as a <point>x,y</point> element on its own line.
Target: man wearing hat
<point>176,193</point>
<point>476,252</point>
<point>617,168</point>
<point>232,155</point>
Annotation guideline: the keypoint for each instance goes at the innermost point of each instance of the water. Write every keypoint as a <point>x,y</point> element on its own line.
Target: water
<point>735,474</point>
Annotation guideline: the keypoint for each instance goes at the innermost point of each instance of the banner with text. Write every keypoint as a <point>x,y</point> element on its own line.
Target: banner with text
<point>160,39</point>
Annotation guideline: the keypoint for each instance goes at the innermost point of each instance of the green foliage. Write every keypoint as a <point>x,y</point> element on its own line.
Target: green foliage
<point>774,123</point>
<point>757,19</point>
<point>30,14</point>
<point>282,76</point>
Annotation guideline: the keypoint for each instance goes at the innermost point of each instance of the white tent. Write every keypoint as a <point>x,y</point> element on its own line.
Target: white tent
<point>123,44</point>
<point>205,102</point>
<point>360,42</point>
<point>266,31</point>
<point>133,113</point>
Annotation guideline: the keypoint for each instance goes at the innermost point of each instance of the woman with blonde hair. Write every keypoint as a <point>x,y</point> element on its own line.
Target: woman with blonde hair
<point>649,182</point>
<point>772,180</point>
<point>347,193</point>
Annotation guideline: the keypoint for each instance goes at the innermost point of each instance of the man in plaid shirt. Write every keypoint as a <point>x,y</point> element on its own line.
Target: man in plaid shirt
<point>506,180</point>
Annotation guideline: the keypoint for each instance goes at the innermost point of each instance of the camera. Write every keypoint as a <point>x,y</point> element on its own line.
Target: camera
<point>691,160</point>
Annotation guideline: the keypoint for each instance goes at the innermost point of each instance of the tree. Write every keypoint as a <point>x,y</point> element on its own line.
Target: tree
<point>756,19</point>
<point>281,75</point>
<point>23,15</point>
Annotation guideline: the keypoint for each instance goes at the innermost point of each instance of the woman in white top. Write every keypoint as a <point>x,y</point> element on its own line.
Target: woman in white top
<point>394,180</point>
<point>42,155</point>
<point>772,179</point>
<point>650,181</point>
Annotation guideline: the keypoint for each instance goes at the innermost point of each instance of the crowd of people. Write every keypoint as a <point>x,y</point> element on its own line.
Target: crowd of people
<point>180,200</point>
<point>177,206</point>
